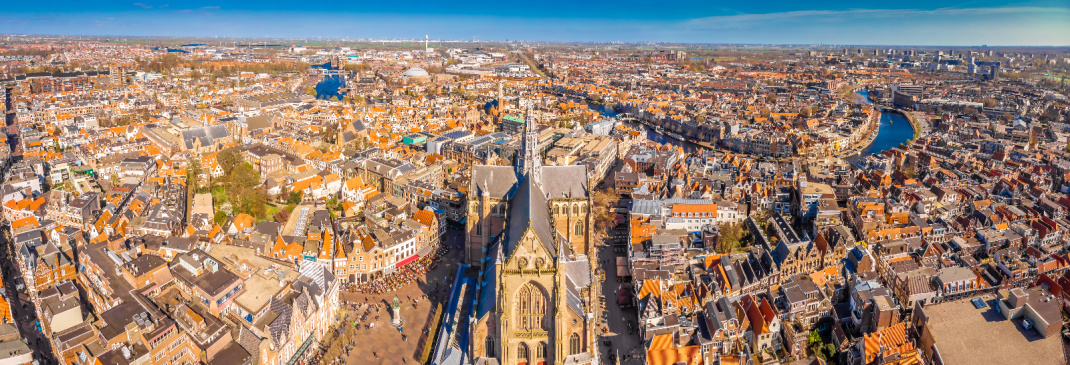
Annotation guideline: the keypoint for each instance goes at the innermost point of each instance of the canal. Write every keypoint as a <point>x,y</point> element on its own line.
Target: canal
<point>328,87</point>
<point>651,134</point>
<point>894,130</point>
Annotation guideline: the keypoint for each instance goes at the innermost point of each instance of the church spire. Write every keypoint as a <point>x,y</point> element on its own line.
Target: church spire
<point>530,163</point>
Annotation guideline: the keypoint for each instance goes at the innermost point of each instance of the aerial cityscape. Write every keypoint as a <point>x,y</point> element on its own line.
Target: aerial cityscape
<point>773,184</point>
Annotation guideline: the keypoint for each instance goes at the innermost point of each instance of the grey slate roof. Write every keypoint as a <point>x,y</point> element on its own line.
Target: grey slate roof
<point>259,121</point>
<point>498,180</point>
<point>565,181</point>
<point>207,135</point>
<point>579,271</point>
<point>488,298</point>
<point>528,208</point>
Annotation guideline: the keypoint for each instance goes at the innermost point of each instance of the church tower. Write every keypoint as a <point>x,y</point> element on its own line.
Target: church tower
<point>501,98</point>
<point>530,162</point>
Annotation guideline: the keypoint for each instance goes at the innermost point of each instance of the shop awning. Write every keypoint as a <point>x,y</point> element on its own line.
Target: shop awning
<point>408,260</point>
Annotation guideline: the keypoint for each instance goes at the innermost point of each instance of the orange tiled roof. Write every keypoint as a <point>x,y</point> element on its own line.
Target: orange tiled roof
<point>891,338</point>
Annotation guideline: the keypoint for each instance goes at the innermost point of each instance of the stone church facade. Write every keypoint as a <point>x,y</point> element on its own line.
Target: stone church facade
<point>528,233</point>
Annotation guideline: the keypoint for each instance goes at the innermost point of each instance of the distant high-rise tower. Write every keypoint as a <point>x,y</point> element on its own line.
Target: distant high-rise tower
<point>425,44</point>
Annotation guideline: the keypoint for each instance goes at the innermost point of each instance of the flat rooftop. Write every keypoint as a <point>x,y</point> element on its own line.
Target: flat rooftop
<point>967,335</point>
<point>261,286</point>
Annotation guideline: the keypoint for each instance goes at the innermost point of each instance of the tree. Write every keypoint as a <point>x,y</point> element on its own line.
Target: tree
<point>244,177</point>
<point>729,240</point>
<point>282,215</point>
<point>909,171</point>
<point>329,134</point>
<point>813,337</point>
<point>220,217</point>
<point>602,214</point>
<point>284,194</point>
<point>228,159</point>
<point>310,91</point>
<point>815,344</point>
<point>193,171</point>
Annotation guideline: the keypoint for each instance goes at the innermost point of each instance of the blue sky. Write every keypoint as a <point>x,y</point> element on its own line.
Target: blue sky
<point>905,22</point>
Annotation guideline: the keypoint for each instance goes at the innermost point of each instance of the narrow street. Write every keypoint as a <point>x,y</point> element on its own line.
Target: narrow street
<point>12,129</point>
<point>622,337</point>
<point>22,309</point>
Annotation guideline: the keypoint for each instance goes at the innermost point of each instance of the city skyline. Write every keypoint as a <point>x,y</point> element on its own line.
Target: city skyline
<point>1035,23</point>
<point>684,183</point>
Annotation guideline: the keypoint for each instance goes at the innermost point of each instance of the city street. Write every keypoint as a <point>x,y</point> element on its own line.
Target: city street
<point>11,128</point>
<point>21,308</point>
<point>623,343</point>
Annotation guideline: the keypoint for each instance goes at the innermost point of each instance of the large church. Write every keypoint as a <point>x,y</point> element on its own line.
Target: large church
<point>528,233</point>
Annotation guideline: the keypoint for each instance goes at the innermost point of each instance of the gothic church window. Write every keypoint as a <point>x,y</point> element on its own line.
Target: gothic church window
<point>532,308</point>
<point>522,353</point>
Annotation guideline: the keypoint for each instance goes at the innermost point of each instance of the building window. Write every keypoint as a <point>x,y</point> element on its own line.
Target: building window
<point>540,352</point>
<point>532,308</point>
<point>490,346</point>
<point>522,353</point>
<point>574,344</point>
<point>579,228</point>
